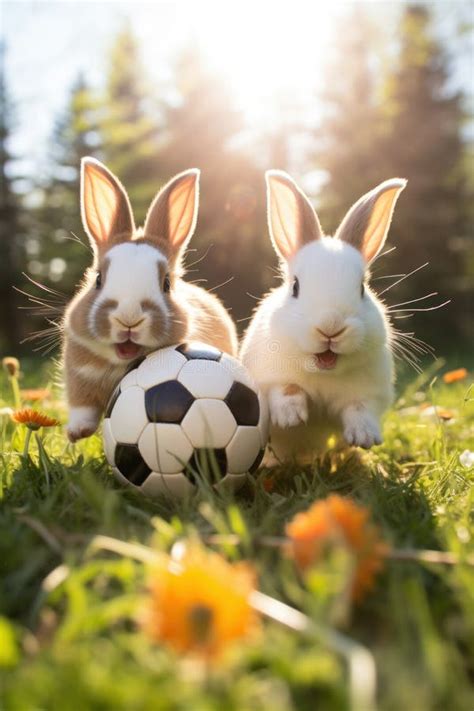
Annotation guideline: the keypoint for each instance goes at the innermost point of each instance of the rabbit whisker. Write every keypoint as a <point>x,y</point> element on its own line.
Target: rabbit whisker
<point>428,308</point>
<point>197,261</point>
<point>405,276</point>
<point>213,288</point>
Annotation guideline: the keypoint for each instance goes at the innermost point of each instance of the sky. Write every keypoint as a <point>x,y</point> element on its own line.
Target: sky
<point>262,49</point>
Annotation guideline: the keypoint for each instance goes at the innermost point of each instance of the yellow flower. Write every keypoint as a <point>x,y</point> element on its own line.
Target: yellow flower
<point>335,521</point>
<point>200,603</point>
<point>33,419</point>
<point>35,394</point>
<point>452,376</point>
<point>11,366</point>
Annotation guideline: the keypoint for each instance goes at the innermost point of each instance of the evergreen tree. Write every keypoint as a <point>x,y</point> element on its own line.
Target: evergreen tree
<point>58,219</point>
<point>424,144</point>
<point>129,125</point>
<point>202,128</point>
<point>406,125</point>
<point>348,136</point>
<point>10,226</point>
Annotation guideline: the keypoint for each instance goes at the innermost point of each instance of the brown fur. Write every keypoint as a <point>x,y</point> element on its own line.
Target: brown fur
<point>292,389</point>
<point>194,314</point>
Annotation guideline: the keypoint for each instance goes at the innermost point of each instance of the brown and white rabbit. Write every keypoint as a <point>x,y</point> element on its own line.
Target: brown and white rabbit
<point>319,346</point>
<point>133,299</point>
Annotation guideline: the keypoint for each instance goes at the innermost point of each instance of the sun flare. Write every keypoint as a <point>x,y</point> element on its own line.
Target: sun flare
<point>266,53</point>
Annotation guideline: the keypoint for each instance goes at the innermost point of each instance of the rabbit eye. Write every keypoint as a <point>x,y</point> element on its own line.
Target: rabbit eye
<point>362,290</point>
<point>166,284</point>
<point>98,280</point>
<point>296,288</point>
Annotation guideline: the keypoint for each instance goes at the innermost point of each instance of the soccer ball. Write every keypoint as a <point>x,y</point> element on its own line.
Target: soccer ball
<point>182,413</point>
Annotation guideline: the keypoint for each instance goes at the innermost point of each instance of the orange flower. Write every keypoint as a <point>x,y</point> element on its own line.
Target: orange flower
<point>200,603</point>
<point>33,419</point>
<point>336,521</point>
<point>34,394</point>
<point>452,376</point>
<point>269,484</point>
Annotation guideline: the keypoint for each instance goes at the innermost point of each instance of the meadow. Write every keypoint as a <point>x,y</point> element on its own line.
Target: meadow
<point>77,552</point>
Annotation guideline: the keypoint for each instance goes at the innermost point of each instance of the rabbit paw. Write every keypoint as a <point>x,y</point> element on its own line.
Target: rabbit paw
<point>288,406</point>
<point>83,421</point>
<point>361,428</point>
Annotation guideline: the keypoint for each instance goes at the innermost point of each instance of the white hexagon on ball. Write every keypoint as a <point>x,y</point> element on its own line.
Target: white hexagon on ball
<point>205,378</point>
<point>159,367</point>
<point>165,448</point>
<point>243,448</point>
<point>209,423</point>
<point>128,418</point>
<point>205,399</point>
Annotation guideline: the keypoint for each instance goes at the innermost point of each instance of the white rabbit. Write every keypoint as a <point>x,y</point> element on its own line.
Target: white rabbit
<point>319,345</point>
<point>133,299</point>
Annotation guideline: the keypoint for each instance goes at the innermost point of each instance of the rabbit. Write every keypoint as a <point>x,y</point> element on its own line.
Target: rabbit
<point>319,346</point>
<point>133,299</point>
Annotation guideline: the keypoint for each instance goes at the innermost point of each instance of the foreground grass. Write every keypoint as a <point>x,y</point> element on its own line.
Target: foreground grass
<point>68,639</point>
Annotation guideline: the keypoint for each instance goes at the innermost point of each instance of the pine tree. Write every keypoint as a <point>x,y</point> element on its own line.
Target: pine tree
<point>129,125</point>
<point>400,122</point>
<point>202,125</point>
<point>348,135</point>
<point>424,144</point>
<point>58,221</point>
<point>10,225</point>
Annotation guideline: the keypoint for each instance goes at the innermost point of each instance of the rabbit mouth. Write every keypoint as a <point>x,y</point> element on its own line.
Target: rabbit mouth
<point>326,360</point>
<point>127,350</point>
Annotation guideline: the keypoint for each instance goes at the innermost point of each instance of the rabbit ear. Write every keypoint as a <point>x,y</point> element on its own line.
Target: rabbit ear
<point>105,207</point>
<point>292,220</point>
<point>366,224</point>
<point>173,213</point>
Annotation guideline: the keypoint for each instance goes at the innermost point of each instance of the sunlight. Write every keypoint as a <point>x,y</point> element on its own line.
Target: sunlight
<point>269,55</point>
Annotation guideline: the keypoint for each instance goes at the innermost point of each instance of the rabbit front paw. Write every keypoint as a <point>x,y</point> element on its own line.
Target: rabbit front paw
<point>361,429</point>
<point>83,421</point>
<point>288,406</point>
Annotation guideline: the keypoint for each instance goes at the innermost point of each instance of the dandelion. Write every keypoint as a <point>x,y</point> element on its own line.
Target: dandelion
<point>332,522</point>
<point>33,420</point>
<point>453,376</point>
<point>466,458</point>
<point>12,368</point>
<point>200,603</point>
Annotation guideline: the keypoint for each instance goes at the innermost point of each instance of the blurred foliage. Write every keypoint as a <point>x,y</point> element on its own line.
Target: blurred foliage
<point>69,610</point>
<point>383,112</point>
<point>10,223</point>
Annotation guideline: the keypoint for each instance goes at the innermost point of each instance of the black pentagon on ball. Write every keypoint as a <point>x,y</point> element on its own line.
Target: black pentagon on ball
<point>257,462</point>
<point>167,402</point>
<point>130,463</point>
<point>112,400</point>
<point>191,352</point>
<point>243,404</point>
<point>210,464</point>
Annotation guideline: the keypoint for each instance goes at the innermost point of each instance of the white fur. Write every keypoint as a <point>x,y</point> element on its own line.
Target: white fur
<point>132,277</point>
<point>83,421</point>
<point>287,410</point>
<point>282,339</point>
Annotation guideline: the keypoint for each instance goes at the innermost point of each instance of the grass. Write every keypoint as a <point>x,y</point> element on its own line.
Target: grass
<point>68,637</point>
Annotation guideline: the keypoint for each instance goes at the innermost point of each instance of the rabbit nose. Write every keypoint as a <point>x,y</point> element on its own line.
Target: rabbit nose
<point>129,326</point>
<point>332,335</point>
